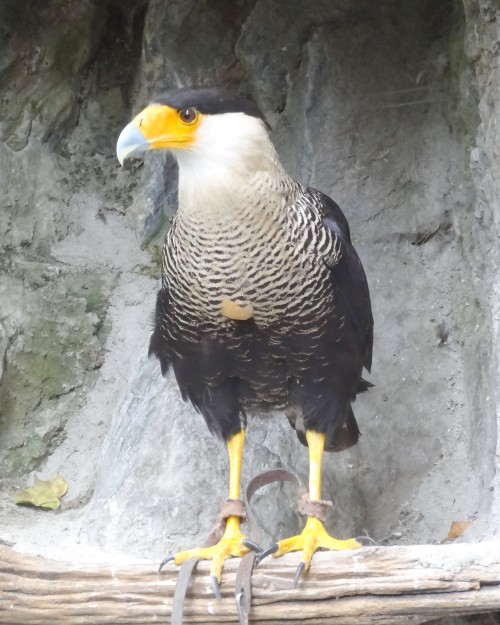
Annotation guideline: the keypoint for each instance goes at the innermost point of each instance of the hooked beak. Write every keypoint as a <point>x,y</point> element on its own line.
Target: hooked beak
<point>131,142</point>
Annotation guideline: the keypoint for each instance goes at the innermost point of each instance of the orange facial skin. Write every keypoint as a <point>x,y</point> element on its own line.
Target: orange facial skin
<point>165,127</point>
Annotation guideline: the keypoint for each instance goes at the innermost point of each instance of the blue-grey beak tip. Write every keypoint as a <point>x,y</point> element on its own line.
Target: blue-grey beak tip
<point>130,142</point>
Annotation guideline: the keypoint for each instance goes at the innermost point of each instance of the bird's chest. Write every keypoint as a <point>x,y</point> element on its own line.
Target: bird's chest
<point>253,271</point>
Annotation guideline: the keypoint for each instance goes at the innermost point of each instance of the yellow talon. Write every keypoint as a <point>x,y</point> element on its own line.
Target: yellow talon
<point>230,545</point>
<point>313,537</point>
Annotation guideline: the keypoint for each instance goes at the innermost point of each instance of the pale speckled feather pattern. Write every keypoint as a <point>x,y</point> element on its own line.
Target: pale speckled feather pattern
<point>276,263</point>
<point>271,256</point>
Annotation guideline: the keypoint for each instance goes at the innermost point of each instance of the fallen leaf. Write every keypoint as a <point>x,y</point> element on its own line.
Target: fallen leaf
<point>44,493</point>
<point>457,529</point>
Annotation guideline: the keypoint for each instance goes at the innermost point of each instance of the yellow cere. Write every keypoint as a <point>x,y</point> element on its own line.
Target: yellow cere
<point>166,128</point>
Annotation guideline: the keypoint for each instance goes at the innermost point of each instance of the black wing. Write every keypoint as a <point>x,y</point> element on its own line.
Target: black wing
<point>158,343</point>
<point>349,279</point>
<point>203,368</point>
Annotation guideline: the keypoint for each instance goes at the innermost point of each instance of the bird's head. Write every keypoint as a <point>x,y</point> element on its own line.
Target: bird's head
<point>194,122</point>
<point>221,144</point>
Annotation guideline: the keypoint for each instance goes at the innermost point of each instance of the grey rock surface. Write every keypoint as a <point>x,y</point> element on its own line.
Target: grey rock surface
<point>388,107</point>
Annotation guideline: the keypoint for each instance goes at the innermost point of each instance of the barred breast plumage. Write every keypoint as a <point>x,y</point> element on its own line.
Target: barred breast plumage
<point>274,264</point>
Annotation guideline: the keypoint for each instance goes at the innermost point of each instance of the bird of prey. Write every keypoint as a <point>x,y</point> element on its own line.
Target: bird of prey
<point>264,303</point>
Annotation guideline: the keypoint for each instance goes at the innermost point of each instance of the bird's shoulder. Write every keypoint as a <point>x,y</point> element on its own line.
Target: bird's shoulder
<point>319,211</point>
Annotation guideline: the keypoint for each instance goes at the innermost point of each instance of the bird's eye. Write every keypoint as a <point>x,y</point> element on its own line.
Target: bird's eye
<point>188,116</point>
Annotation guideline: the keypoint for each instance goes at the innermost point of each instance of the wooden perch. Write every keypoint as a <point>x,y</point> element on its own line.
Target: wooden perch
<point>382,585</point>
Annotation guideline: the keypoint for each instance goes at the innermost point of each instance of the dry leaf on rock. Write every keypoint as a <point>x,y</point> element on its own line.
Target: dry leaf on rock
<point>457,529</point>
<point>44,493</point>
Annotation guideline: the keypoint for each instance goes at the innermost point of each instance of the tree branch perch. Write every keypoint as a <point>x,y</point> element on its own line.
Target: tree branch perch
<point>382,585</point>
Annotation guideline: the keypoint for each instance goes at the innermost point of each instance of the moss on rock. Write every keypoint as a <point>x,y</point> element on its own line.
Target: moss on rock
<point>56,355</point>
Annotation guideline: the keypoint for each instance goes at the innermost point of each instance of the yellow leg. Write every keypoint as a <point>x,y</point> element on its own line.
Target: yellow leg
<point>231,543</point>
<point>235,449</point>
<point>314,536</point>
<point>316,444</point>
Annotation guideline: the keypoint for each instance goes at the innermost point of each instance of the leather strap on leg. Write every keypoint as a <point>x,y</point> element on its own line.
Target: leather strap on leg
<point>316,508</point>
<point>243,585</point>
<point>230,507</point>
<point>184,576</point>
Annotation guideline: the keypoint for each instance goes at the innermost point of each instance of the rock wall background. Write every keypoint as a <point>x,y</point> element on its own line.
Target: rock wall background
<point>391,108</point>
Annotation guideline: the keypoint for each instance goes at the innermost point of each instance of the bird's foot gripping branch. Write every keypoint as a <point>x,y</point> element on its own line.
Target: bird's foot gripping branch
<point>232,543</point>
<point>222,538</point>
<point>313,537</point>
<point>226,540</point>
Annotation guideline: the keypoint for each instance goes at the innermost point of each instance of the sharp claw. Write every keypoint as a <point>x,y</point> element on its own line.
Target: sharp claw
<point>298,573</point>
<point>216,587</point>
<point>239,607</point>
<point>253,546</point>
<point>267,552</point>
<point>366,541</point>
<point>165,561</point>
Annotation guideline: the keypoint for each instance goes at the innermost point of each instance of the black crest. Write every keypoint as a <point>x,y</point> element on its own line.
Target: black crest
<point>209,101</point>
